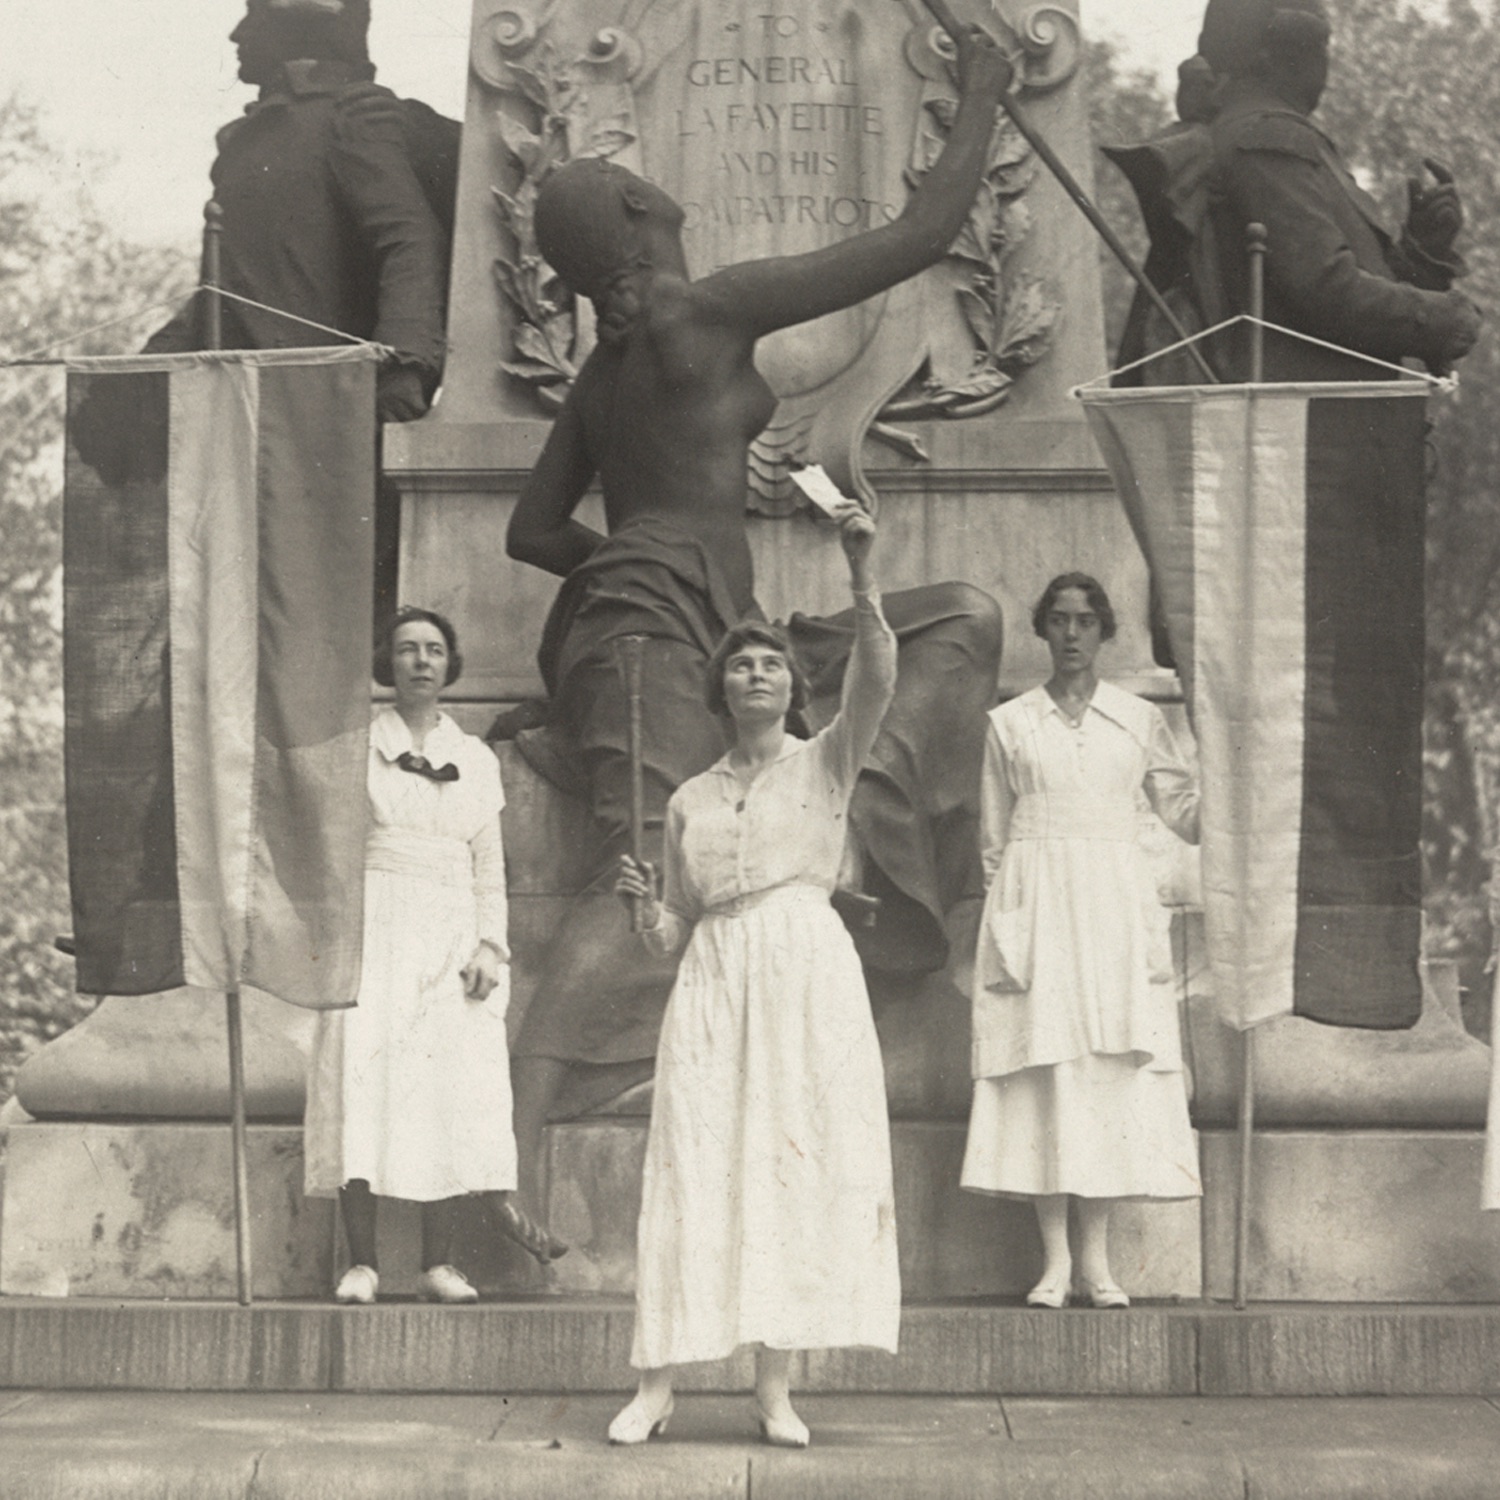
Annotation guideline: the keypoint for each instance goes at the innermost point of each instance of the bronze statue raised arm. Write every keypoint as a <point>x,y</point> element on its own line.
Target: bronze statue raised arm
<point>663,413</point>
<point>666,406</point>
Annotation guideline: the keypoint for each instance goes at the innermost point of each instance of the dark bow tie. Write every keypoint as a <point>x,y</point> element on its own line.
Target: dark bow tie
<point>419,765</point>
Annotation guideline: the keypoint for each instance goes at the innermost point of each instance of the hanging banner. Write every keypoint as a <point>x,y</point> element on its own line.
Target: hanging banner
<point>1284,528</point>
<point>217,556</point>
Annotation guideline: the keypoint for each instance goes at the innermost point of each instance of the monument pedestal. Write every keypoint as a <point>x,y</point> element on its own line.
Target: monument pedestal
<point>1366,1156</point>
<point>1347,1204</point>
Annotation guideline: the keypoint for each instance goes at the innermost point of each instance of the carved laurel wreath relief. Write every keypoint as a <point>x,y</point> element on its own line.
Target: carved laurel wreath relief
<point>563,90</point>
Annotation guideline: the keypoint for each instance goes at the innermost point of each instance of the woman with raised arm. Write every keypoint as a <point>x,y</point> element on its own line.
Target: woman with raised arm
<point>767,1213</point>
<point>663,413</point>
<point>1079,1096</point>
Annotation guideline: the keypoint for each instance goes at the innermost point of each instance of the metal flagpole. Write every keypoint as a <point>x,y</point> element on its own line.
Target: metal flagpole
<point>1256,238</point>
<point>213,338</point>
<point>1038,143</point>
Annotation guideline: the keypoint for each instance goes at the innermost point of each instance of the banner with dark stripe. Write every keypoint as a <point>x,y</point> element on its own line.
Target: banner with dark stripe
<point>217,547</point>
<point>1284,528</point>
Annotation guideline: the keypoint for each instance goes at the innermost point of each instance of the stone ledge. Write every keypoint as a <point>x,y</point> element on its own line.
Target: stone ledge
<point>948,1349</point>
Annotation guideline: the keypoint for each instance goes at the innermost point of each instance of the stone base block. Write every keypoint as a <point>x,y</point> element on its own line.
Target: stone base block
<point>1353,1216</point>
<point>1434,1076</point>
<point>119,1210</point>
<point>166,1056</point>
<point>146,1211</point>
<point>952,1243</point>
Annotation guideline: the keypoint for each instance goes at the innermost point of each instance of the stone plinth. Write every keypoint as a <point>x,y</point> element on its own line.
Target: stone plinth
<point>952,1243</point>
<point>167,1057</point>
<point>1434,1076</point>
<point>1353,1216</point>
<point>114,1210</point>
<point>117,1210</point>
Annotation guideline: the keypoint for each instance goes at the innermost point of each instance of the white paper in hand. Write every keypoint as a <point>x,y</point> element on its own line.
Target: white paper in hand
<point>814,482</point>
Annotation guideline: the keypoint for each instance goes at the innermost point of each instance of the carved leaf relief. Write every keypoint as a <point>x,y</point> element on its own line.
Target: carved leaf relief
<point>559,102</point>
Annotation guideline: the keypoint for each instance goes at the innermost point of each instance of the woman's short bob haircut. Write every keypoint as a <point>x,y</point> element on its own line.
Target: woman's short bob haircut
<point>384,674</point>
<point>1092,589</point>
<point>752,633</point>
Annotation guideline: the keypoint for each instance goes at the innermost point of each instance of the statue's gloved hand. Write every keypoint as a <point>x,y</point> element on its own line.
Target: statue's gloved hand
<point>982,67</point>
<point>1434,215</point>
<point>401,393</point>
<point>1453,326</point>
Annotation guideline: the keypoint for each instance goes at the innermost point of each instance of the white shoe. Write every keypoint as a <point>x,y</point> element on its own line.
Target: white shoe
<point>640,1421</point>
<point>358,1284</point>
<point>446,1284</point>
<point>783,1430</point>
<point>1105,1294</point>
<point>1050,1293</point>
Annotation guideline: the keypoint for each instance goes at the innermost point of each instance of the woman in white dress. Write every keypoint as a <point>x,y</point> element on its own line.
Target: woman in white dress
<point>767,1212</point>
<point>1078,1085</point>
<point>409,1092</point>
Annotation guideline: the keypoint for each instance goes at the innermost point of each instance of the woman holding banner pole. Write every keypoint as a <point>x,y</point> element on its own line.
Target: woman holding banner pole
<point>1079,1097</point>
<point>767,1211</point>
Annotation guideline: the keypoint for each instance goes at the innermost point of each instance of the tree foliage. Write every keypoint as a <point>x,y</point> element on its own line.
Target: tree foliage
<point>1409,83</point>
<point>1123,107</point>
<point>62,269</point>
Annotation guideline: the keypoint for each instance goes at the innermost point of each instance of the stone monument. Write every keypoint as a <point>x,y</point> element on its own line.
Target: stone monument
<point>780,128</point>
<point>946,402</point>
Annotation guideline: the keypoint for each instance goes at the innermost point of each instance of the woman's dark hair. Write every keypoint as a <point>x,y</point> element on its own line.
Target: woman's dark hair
<point>748,633</point>
<point>1093,591</point>
<point>383,671</point>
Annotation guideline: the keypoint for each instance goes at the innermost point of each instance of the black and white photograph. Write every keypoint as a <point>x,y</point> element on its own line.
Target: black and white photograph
<point>749,749</point>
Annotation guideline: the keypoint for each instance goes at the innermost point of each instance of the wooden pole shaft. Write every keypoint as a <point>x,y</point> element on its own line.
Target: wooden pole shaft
<point>1038,143</point>
<point>238,1144</point>
<point>1242,1198</point>
<point>632,649</point>
<point>1255,235</point>
<point>213,304</point>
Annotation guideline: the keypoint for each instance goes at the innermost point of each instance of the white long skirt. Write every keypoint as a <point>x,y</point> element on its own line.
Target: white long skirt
<point>410,1090</point>
<point>767,1212</point>
<point>1097,1126</point>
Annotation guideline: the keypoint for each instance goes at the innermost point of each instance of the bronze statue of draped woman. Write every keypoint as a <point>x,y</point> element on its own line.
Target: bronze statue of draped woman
<point>662,414</point>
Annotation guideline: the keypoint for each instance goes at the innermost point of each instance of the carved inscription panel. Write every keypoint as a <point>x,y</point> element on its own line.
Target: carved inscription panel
<point>788,128</point>
<point>780,126</point>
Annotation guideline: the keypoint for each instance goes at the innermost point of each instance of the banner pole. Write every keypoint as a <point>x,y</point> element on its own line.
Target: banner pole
<point>1256,245</point>
<point>213,307</point>
<point>1242,1200</point>
<point>213,338</point>
<point>239,1142</point>
<point>1255,235</point>
<point>631,648</point>
<point>1070,185</point>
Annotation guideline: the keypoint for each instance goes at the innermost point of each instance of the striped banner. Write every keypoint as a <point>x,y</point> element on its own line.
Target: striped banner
<point>217,558</point>
<point>1284,528</point>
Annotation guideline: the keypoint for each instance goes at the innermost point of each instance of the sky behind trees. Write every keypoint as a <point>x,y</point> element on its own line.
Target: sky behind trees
<point>133,90</point>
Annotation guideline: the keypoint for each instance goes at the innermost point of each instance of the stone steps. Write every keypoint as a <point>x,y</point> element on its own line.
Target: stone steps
<point>582,1346</point>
